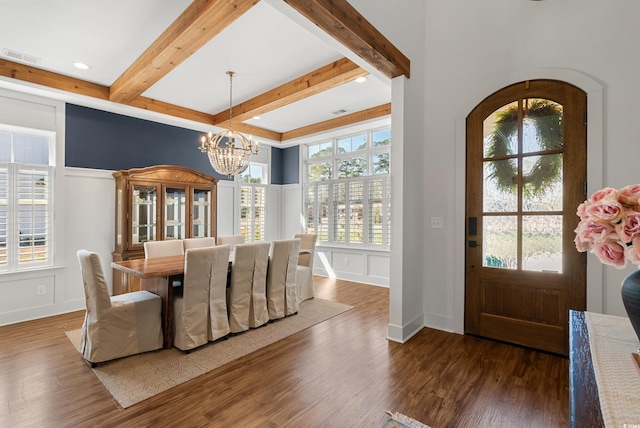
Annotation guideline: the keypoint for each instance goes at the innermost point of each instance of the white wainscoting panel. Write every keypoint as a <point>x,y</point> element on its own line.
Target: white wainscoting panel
<point>358,265</point>
<point>378,266</point>
<point>226,208</point>
<point>27,294</point>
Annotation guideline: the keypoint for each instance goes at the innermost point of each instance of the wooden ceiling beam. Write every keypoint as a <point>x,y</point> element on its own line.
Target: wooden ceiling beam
<point>348,119</point>
<point>320,80</point>
<point>196,26</point>
<point>50,79</point>
<point>53,80</point>
<point>345,24</point>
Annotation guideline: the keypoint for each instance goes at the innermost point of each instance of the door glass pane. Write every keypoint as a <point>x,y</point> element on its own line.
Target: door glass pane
<point>500,132</point>
<point>542,177</point>
<point>500,243</point>
<point>542,243</point>
<point>174,213</point>
<point>201,213</point>
<point>497,196</point>
<point>143,222</point>
<point>541,126</point>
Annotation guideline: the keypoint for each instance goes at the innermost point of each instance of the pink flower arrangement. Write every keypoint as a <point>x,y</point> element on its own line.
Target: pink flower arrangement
<point>610,226</point>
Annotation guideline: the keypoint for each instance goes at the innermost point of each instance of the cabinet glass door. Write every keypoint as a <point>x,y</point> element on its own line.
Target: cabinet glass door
<point>174,213</point>
<point>143,214</point>
<point>201,213</point>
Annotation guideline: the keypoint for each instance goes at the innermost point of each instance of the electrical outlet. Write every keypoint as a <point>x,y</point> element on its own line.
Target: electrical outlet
<point>436,222</point>
<point>41,290</point>
<point>346,261</point>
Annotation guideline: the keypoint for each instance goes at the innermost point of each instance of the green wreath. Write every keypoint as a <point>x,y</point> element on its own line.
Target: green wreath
<point>547,120</point>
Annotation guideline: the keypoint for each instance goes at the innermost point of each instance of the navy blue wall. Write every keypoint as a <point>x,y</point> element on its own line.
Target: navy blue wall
<point>276,165</point>
<point>284,165</point>
<point>102,140</point>
<point>290,165</point>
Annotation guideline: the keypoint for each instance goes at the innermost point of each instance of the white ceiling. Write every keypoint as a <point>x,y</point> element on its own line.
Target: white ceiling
<point>264,47</point>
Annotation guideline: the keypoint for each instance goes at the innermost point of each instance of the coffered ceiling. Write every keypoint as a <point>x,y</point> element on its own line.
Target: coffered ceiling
<point>295,61</point>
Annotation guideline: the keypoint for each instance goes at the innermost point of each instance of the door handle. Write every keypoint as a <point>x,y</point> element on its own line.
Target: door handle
<point>474,244</point>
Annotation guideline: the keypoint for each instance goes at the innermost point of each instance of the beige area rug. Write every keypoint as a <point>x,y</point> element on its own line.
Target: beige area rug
<point>136,378</point>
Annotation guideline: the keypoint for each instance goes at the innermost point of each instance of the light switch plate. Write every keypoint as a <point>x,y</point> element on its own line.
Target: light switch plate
<point>436,222</point>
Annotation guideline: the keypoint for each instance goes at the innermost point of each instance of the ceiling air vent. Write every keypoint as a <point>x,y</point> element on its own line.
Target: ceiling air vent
<point>337,112</point>
<point>19,56</point>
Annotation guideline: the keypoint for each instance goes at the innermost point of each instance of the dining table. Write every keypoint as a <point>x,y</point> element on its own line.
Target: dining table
<point>156,276</point>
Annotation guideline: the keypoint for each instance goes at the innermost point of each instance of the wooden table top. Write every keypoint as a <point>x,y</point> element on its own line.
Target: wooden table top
<point>152,268</point>
<point>160,266</point>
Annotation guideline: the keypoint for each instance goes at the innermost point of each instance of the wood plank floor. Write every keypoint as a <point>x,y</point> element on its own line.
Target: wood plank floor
<point>340,373</point>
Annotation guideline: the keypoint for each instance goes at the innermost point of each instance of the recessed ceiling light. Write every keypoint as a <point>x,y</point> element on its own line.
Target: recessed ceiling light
<point>256,117</point>
<point>361,79</point>
<point>81,65</point>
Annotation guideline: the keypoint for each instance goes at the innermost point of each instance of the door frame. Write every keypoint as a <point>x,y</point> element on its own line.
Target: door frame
<point>595,106</point>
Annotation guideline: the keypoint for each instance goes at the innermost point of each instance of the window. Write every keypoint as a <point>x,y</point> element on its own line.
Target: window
<point>253,195</point>
<point>347,189</point>
<point>25,198</point>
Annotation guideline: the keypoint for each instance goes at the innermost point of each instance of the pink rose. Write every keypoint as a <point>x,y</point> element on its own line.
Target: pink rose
<point>611,254</point>
<point>629,226</point>
<point>593,232</point>
<point>606,193</point>
<point>608,210</point>
<point>632,252</point>
<point>581,245</point>
<point>582,210</point>
<point>630,195</point>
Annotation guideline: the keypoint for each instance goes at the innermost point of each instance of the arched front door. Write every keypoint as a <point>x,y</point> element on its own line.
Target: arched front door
<point>526,175</point>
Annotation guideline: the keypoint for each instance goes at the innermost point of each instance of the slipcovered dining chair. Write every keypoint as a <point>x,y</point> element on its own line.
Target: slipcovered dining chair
<point>281,278</point>
<point>247,294</point>
<point>198,242</point>
<point>200,310</point>
<point>304,271</point>
<point>166,248</point>
<point>117,326</point>
<point>232,240</point>
<point>172,247</point>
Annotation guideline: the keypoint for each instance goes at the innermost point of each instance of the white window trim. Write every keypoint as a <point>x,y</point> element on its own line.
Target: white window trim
<point>334,158</point>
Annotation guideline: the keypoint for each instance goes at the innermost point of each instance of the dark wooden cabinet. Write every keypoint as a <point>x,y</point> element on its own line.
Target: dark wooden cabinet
<point>157,203</point>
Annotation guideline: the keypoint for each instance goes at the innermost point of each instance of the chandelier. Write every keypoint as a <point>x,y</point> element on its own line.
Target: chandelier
<point>229,151</point>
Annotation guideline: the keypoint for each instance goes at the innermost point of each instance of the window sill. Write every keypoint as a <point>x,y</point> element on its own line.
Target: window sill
<point>30,273</point>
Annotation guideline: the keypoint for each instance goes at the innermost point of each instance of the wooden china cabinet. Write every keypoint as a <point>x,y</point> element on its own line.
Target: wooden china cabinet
<point>158,203</point>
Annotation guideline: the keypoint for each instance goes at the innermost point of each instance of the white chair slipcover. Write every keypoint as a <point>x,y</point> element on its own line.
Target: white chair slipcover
<point>248,273</point>
<point>232,240</point>
<point>218,315</point>
<point>205,273</point>
<point>117,326</point>
<point>173,247</point>
<point>281,278</point>
<point>198,242</point>
<point>304,274</point>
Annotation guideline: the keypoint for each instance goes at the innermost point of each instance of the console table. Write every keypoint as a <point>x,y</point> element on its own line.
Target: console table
<point>603,378</point>
<point>584,404</point>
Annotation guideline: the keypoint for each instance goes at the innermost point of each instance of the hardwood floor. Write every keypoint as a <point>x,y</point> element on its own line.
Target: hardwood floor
<point>340,373</point>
